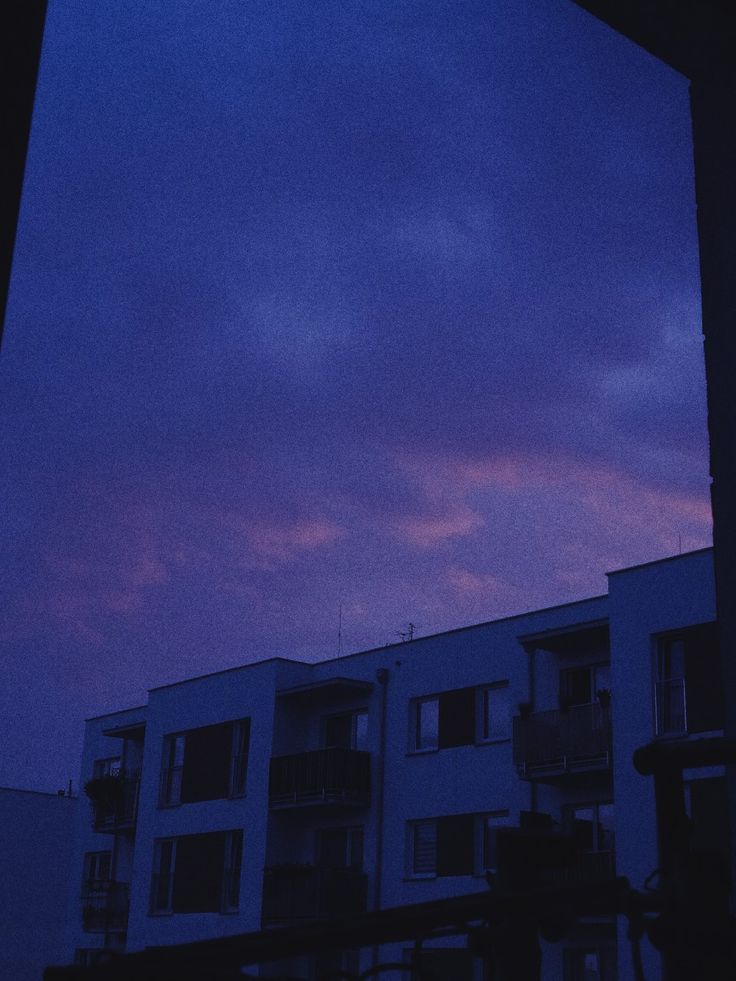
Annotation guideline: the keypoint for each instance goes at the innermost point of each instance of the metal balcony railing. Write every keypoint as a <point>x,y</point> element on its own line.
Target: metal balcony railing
<point>563,740</point>
<point>303,892</point>
<point>586,867</point>
<point>117,807</point>
<point>323,776</point>
<point>105,906</point>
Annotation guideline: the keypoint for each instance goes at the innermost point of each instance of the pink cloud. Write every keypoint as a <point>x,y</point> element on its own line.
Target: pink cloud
<point>426,531</point>
<point>472,584</point>
<point>284,541</point>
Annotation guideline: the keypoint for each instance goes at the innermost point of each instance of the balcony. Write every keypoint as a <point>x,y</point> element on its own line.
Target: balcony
<point>114,802</point>
<point>105,906</point>
<point>585,867</point>
<point>554,744</point>
<point>298,892</point>
<point>323,776</point>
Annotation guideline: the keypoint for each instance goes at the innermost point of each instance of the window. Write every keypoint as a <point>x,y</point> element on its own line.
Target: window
<point>197,873</point>
<point>486,843</point>
<point>460,717</point>
<point>592,826</point>
<point>107,768</point>
<point>494,713</point>
<point>689,696</point>
<point>426,724</point>
<point>458,844</point>
<point>345,730</point>
<point>707,807</point>
<point>589,964</point>
<point>208,763</point>
<point>97,870</point>
<point>340,848</point>
<point>423,847</point>
<point>582,965</point>
<point>579,685</point>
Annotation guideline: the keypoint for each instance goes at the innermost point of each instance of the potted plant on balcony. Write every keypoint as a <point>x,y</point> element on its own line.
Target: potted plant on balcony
<point>525,709</point>
<point>105,793</point>
<point>604,697</point>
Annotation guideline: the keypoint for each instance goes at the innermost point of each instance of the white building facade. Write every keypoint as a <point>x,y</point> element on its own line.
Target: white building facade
<point>279,791</point>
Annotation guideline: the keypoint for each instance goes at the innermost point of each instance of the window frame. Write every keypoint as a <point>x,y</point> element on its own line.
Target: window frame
<point>354,715</point>
<point>170,790</point>
<point>413,827</point>
<point>446,732</point>
<point>698,679</point>
<point>231,875</point>
<point>415,721</point>
<point>482,735</point>
<point>501,818</point>
<point>90,864</point>
<point>594,806</point>
<point>108,766</point>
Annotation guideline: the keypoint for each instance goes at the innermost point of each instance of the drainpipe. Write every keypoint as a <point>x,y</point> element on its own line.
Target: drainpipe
<point>382,678</point>
<point>531,688</point>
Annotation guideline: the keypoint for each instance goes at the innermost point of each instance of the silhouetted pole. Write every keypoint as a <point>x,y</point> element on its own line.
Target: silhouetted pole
<point>20,51</point>
<point>698,38</point>
<point>713,107</point>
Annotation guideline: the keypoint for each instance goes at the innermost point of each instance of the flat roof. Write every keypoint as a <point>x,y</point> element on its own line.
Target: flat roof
<point>667,558</point>
<point>125,730</point>
<point>562,639</point>
<point>107,715</point>
<point>326,684</point>
<point>416,640</point>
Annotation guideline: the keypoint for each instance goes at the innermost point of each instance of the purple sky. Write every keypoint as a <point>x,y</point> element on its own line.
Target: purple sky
<point>393,305</point>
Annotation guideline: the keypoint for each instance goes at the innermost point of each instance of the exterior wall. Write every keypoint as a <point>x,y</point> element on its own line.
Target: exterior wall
<point>247,693</point>
<point>36,849</point>
<point>286,702</point>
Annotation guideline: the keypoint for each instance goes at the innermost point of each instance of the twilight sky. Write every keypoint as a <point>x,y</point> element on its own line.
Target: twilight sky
<point>388,304</point>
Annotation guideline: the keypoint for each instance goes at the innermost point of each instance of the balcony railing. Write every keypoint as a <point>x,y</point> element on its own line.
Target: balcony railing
<point>563,741</point>
<point>115,809</point>
<point>323,776</point>
<point>303,892</point>
<point>105,906</point>
<point>585,867</point>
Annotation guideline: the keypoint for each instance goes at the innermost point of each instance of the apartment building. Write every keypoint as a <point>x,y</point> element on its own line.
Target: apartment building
<point>281,791</point>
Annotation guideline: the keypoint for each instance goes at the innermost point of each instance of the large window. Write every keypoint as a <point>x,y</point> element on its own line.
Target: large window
<point>580,685</point>
<point>345,730</point>
<point>707,807</point>
<point>592,826</point>
<point>340,848</point>
<point>205,764</point>
<point>197,873</point>
<point>460,717</point>
<point>97,871</point>
<point>458,844</point>
<point>689,694</point>
<point>110,767</point>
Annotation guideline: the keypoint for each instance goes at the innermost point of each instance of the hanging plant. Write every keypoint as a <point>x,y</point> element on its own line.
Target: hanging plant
<point>105,792</point>
<point>604,697</point>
